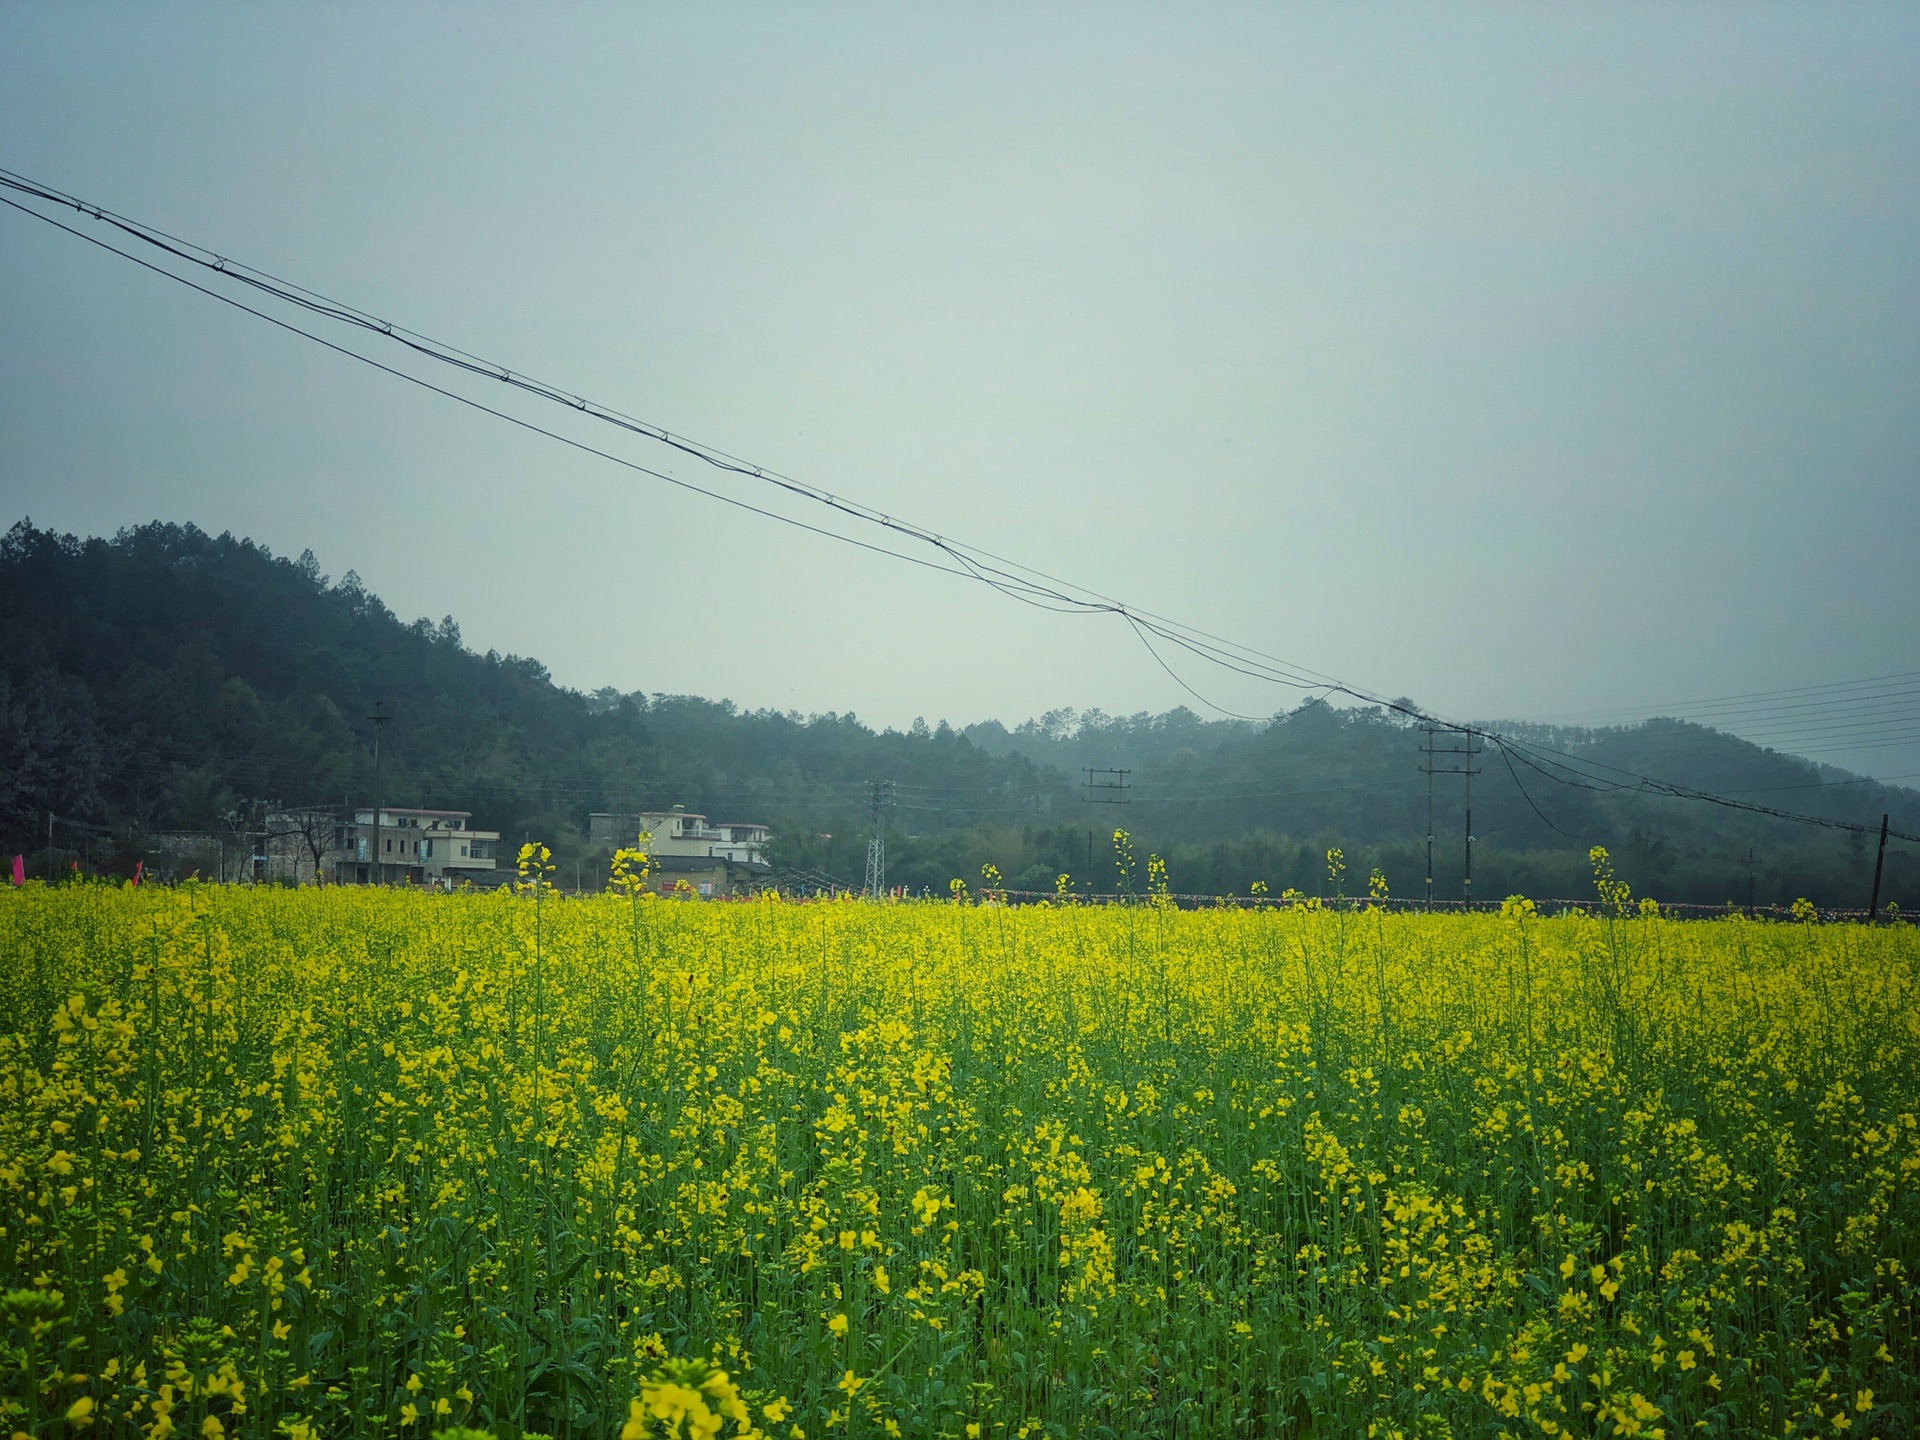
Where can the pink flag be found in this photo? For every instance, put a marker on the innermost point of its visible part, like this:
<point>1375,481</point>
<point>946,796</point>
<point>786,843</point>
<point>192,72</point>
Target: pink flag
<point>19,869</point>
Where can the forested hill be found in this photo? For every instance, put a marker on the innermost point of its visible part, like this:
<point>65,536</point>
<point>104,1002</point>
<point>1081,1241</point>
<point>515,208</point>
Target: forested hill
<point>164,678</point>
<point>1319,770</point>
<point>160,677</point>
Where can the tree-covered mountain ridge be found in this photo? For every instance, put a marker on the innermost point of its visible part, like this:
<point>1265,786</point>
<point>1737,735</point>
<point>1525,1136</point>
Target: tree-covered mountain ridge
<point>162,677</point>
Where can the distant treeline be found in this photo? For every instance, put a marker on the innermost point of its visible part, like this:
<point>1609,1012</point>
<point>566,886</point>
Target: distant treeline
<point>166,679</point>
<point>1031,858</point>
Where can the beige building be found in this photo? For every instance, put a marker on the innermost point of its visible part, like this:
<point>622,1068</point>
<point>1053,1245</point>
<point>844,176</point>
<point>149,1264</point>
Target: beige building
<point>414,847</point>
<point>709,877</point>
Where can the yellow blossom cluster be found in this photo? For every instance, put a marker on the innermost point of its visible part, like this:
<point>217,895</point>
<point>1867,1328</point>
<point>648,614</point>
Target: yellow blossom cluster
<point>305,1164</point>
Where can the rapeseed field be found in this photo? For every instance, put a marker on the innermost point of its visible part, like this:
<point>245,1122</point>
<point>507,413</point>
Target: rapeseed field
<point>363,1162</point>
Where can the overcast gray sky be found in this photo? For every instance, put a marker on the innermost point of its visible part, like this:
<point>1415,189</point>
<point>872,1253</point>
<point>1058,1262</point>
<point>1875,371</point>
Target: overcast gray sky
<point>1530,362</point>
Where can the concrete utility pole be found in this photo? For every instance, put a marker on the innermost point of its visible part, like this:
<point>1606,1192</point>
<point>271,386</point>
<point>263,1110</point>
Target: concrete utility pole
<point>1468,753</point>
<point>1102,787</point>
<point>1873,906</point>
<point>1427,750</point>
<point>379,719</point>
<point>1466,889</point>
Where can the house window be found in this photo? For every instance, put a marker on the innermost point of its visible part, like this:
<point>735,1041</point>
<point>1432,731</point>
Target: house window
<point>463,850</point>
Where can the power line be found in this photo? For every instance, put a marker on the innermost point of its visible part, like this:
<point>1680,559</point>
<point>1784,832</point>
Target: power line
<point>1828,784</point>
<point>1774,732</point>
<point>1017,581</point>
<point>1656,748</point>
<point>1676,707</point>
<point>1012,586</point>
<point>475,404</point>
<point>1851,746</point>
<point>971,558</point>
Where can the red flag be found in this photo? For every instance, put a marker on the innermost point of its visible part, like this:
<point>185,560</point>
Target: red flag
<point>139,869</point>
<point>19,869</point>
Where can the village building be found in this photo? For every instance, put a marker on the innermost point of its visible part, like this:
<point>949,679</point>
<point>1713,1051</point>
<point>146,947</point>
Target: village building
<point>690,854</point>
<point>414,847</point>
<point>296,847</point>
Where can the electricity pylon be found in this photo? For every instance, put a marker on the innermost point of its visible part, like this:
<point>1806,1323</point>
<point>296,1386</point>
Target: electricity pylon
<point>879,801</point>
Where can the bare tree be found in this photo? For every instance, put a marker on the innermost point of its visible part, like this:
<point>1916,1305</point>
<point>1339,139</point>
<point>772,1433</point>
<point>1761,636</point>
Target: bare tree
<point>308,831</point>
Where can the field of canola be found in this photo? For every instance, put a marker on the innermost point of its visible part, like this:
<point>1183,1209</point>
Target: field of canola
<point>357,1163</point>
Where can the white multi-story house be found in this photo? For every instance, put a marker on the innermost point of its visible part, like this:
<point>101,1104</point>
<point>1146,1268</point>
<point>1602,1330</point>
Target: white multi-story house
<point>691,855</point>
<point>413,847</point>
<point>743,841</point>
<point>681,832</point>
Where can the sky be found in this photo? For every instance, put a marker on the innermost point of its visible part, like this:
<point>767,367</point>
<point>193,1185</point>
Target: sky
<point>1553,363</point>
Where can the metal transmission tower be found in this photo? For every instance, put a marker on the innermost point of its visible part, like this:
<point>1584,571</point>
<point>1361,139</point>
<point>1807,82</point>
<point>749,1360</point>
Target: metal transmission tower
<point>1467,754</point>
<point>1102,787</point>
<point>879,801</point>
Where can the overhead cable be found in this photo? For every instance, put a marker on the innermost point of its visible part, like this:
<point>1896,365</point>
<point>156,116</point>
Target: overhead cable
<point>1015,580</point>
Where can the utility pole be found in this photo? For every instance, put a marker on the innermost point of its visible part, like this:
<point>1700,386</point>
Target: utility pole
<point>1753,866</point>
<point>379,719</point>
<point>1101,787</point>
<point>1427,750</point>
<point>1873,906</point>
<point>879,801</point>
<point>1467,753</point>
<point>1466,889</point>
